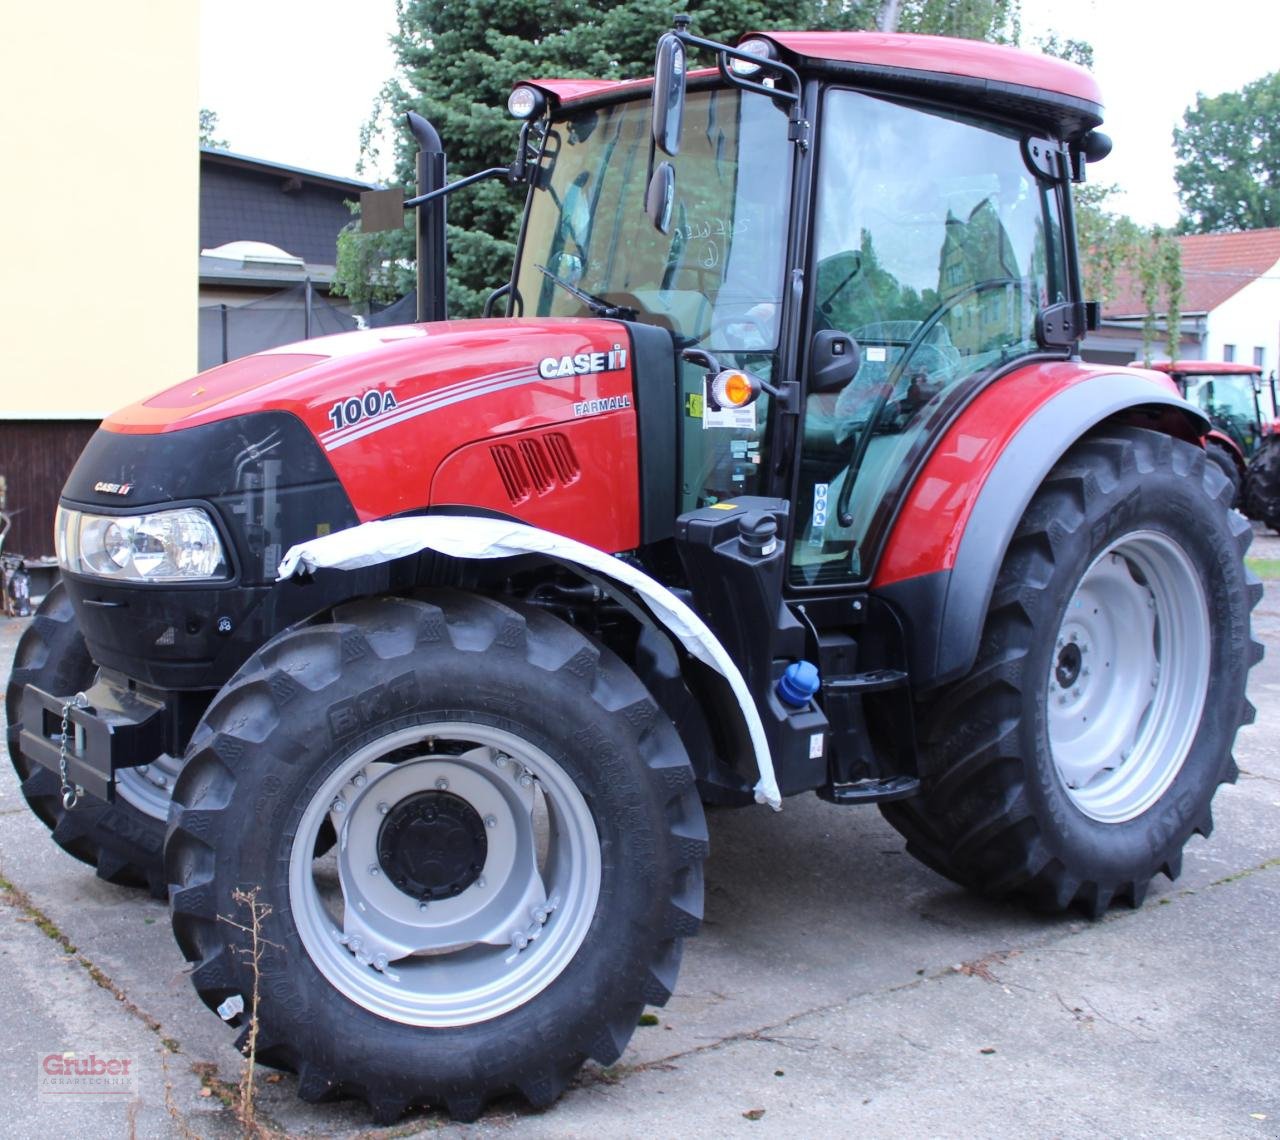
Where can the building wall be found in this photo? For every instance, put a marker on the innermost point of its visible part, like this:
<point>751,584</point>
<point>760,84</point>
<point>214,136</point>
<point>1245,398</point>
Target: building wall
<point>35,459</point>
<point>1249,319</point>
<point>99,115</point>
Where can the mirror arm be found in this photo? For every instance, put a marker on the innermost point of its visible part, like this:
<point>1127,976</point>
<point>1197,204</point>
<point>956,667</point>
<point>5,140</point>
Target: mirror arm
<point>493,172</point>
<point>724,53</point>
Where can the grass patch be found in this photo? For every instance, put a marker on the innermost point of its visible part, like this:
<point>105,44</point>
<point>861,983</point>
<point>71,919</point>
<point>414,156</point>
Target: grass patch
<point>1264,567</point>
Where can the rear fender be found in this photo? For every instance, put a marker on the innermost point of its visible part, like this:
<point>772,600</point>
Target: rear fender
<point>469,537</point>
<point>940,564</point>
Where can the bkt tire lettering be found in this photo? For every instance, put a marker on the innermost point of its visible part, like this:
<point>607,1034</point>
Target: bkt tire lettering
<point>380,703</point>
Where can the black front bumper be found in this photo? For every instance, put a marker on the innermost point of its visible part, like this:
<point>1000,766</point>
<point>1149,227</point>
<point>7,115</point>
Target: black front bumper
<point>120,726</point>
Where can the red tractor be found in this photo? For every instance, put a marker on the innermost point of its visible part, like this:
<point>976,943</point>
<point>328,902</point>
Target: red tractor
<point>1243,438</point>
<point>780,475</point>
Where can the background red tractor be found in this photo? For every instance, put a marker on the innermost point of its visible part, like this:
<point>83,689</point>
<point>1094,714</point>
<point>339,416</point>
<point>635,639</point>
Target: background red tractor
<point>780,474</point>
<point>1245,435</point>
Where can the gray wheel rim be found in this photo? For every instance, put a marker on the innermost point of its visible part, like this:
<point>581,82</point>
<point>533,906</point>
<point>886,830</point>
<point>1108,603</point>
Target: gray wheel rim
<point>477,955</point>
<point>1128,677</point>
<point>149,787</point>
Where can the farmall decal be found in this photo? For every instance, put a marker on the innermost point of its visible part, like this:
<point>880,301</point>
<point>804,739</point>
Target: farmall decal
<point>583,363</point>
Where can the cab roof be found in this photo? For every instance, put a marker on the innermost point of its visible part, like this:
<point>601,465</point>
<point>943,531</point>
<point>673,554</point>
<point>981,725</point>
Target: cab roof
<point>1023,85</point>
<point>1204,368</point>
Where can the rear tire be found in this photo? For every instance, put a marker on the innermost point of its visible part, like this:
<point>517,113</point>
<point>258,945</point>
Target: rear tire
<point>123,840</point>
<point>1262,484</point>
<point>1226,463</point>
<point>418,962</point>
<point>1083,749</point>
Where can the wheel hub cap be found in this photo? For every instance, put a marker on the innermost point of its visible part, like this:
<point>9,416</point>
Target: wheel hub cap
<point>432,845</point>
<point>1128,676</point>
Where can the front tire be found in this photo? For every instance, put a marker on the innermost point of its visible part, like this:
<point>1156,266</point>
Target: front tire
<point>1082,751</point>
<point>123,840</point>
<point>479,839</point>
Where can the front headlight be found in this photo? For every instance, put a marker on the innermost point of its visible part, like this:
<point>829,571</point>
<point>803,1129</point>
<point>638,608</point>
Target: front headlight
<point>167,546</point>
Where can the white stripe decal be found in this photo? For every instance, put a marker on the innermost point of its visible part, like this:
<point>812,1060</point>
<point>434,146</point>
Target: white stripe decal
<point>419,409</point>
<point>338,434</point>
<point>425,398</point>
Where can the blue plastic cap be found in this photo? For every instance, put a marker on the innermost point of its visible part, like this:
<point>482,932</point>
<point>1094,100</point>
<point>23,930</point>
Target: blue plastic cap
<point>798,684</point>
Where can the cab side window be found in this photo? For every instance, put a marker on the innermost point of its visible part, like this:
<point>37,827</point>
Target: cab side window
<point>937,266</point>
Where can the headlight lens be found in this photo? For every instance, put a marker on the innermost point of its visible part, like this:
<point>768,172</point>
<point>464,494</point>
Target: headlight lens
<point>167,546</point>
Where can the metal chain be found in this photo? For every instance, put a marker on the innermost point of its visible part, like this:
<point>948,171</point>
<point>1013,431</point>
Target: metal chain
<point>70,793</point>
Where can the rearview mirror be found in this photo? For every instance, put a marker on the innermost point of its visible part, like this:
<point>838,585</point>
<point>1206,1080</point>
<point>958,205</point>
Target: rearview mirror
<point>661,196</point>
<point>668,94</point>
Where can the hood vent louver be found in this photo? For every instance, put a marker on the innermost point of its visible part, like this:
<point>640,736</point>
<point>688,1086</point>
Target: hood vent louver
<point>536,465</point>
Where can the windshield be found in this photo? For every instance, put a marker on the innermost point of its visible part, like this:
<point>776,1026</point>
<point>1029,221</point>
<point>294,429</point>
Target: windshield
<point>716,278</point>
<point>1228,401</point>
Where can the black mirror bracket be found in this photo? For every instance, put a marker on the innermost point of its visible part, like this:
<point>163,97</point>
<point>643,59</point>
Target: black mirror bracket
<point>789,95</point>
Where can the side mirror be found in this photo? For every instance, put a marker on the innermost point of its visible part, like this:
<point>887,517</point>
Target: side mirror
<point>660,197</point>
<point>668,94</point>
<point>834,360</point>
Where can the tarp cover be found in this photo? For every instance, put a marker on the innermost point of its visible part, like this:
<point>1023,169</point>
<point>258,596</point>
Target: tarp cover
<point>468,537</point>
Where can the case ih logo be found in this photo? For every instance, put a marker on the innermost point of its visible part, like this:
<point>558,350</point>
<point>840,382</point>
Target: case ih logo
<point>113,488</point>
<point>582,363</point>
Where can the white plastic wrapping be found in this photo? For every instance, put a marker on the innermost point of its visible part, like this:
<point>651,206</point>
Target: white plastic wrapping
<point>466,537</point>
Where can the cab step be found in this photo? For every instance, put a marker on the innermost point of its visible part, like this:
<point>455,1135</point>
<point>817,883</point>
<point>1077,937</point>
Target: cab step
<point>873,681</point>
<point>871,791</point>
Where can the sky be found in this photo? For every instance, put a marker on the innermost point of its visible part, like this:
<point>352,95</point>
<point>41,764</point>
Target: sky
<point>293,80</point>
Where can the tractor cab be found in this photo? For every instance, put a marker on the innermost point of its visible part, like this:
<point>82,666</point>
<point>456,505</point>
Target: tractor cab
<point>872,247</point>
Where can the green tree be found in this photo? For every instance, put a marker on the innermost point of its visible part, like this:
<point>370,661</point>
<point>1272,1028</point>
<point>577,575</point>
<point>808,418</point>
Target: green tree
<point>208,125</point>
<point>1112,244</point>
<point>1228,152</point>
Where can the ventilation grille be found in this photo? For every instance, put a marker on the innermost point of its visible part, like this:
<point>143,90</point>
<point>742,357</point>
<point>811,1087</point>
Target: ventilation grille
<point>537,465</point>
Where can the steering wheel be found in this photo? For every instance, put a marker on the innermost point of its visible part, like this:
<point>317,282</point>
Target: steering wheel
<point>719,326</point>
<point>843,517</point>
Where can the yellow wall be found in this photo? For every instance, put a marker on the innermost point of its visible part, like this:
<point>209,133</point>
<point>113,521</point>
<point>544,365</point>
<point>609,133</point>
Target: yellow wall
<point>99,204</point>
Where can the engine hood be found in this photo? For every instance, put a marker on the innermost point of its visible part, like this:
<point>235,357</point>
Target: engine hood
<point>502,414</point>
<point>405,362</point>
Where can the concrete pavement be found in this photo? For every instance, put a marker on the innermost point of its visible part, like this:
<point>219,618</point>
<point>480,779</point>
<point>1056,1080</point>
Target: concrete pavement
<point>837,986</point>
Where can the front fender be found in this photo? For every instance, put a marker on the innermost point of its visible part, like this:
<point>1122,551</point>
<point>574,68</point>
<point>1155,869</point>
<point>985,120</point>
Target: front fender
<point>940,565</point>
<point>470,537</point>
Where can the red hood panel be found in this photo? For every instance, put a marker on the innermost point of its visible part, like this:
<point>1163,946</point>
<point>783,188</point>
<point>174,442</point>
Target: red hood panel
<point>389,406</point>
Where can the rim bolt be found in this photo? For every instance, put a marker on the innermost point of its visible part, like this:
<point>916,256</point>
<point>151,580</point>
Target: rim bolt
<point>1061,643</point>
<point>338,805</point>
<point>491,821</point>
<point>355,944</point>
<point>383,809</point>
<point>1084,672</point>
<point>162,782</point>
<point>519,939</point>
<point>359,779</point>
<point>480,881</point>
<point>442,784</point>
<point>1075,637</point>
<point>422,904</point>
<point>380,962</point>
<point>526,780</point>
<point>502,760</point>
<point>374,869</point>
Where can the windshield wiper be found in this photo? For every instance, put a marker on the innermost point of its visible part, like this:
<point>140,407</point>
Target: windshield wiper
<point>599,306</point>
